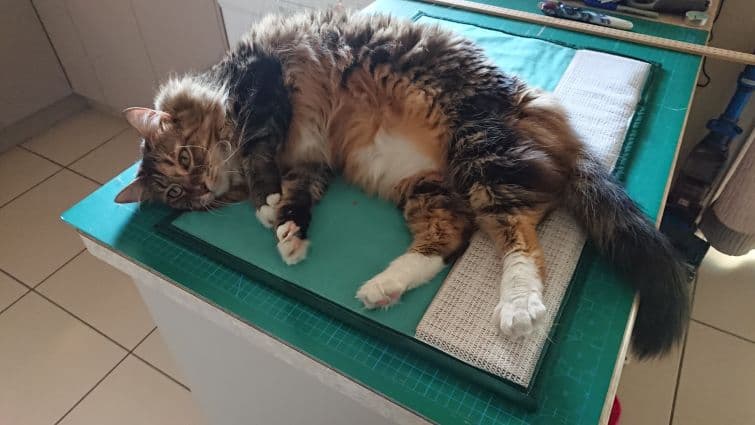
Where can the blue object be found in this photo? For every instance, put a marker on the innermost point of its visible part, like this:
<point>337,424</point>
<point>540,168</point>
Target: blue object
<point>560,10</point>
<point>700,171</point>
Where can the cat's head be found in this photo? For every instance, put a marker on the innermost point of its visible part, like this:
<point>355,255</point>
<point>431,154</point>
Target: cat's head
<point>187,161</point>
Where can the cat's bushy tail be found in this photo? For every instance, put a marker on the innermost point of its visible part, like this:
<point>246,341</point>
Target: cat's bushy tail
<point>623,233</point>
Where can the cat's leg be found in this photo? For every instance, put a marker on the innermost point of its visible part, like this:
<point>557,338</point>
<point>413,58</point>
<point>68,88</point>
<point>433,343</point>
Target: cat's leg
<point>441,225</point>
<point>520,308</point>
<point>264,185</point>
<point>301,187</point>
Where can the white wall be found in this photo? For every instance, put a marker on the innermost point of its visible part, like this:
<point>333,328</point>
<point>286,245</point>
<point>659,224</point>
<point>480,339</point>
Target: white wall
<point>30,76</point>
<point>239,15</point>
<point>116,52</point>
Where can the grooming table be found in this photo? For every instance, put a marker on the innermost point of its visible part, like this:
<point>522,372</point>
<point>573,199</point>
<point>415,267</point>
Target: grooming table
<point>254,355</point>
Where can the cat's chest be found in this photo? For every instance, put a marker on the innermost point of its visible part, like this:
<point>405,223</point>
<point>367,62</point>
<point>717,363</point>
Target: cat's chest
<point>379,166</point>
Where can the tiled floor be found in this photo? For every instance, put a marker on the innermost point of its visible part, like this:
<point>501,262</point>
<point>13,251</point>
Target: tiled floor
<point>77,346</point>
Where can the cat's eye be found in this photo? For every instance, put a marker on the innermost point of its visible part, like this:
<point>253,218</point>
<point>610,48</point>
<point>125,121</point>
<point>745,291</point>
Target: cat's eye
<point>184,157</point>
<point>174,191</point>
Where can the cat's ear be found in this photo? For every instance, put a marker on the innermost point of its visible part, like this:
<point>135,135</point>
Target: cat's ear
<point>133,192</point>
<point>146,121</point>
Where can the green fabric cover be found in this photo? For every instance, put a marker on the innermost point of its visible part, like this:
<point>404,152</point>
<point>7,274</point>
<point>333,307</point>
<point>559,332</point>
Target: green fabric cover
<point>539,63</point>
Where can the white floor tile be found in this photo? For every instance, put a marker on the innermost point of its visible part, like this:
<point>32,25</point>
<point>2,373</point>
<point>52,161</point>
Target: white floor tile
<point>110,159</point>
<point>136,394</point>
<point>154,350</point>
<point>103,297</point>
<point>725,294</point>
<point>35,241</point>
<point>74,137</point>
<point>20,170</point>
<point>49,360</point>
<point>717,383</point>
<point>10,291</point>
<point>646,390</point>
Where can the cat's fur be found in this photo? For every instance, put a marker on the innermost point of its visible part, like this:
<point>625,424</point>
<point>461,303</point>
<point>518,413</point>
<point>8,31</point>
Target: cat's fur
<point>418,116</point>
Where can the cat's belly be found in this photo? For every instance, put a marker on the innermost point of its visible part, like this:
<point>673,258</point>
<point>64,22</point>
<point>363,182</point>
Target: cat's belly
<point>378,167</point>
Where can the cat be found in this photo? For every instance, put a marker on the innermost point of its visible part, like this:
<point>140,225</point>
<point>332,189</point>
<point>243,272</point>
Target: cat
<point>416,115</point>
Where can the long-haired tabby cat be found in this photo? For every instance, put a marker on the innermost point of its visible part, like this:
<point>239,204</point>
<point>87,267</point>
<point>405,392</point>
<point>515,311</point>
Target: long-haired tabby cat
<point>418,116</point>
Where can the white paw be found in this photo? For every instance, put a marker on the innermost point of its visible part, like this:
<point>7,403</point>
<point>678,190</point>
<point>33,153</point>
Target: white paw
<point>520,316</point>
<point>291,248</point>
<point>381,291</point>
<point>273,199</point>
<point>266,213</point>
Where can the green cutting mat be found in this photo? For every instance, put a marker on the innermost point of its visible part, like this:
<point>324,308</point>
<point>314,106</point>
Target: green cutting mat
<point>355,236</point>
<point>575,375</point>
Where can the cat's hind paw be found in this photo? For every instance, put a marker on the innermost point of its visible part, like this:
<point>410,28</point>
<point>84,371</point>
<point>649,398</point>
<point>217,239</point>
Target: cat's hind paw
<point>380,292</point>
<point>266,213</point>
<point>520,316</point>
<point>291,247</point>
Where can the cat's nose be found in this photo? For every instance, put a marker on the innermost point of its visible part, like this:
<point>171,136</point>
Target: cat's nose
<point>200,189</point>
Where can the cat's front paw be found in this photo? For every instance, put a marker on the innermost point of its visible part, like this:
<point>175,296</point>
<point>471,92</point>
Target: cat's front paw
<point>291,247</point>
<point>521,315</point>
<point>381,291</point>
<point>266,214</point>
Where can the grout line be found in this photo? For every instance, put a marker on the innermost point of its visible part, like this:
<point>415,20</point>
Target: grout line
<point>684,349</point>
<point>62,167</point>
<point>80,319</point>
<point>678,377</point>
<point>161,371</point>
<point>17,300</point>
<point>125,129</point>
<point>103,378</point>
<point>91,389</point>
<point>78,157</point>
<point>84,176</point>
<point>58,269</point>
<point>730,333</point>
<point>34,186</point>
<point>130,351</point>
<point>15,278</point>
<point>144,339</point>
<point>133,353</point>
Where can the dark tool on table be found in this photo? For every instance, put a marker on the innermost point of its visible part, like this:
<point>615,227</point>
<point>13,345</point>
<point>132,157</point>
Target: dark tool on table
<point>614,5</point>
<point>701,169</point>
<point>672,6</point>
<point>558,9</point>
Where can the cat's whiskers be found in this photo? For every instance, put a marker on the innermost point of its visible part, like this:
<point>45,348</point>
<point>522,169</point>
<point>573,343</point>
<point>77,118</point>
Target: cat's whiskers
<point>231,155</point>
<point>195,146</point>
